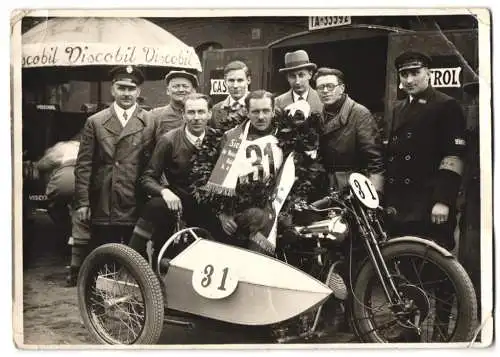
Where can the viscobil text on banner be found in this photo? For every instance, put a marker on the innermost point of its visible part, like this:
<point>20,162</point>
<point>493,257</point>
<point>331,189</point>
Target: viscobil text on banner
<point>68,54</point>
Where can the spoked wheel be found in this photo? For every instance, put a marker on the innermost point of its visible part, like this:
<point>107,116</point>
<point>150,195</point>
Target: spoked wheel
<point>119,297</point>
<point>439,302</point>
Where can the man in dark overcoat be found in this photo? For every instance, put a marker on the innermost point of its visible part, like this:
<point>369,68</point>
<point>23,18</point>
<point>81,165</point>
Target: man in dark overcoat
<point>426,145</point>
<point>115,147</point>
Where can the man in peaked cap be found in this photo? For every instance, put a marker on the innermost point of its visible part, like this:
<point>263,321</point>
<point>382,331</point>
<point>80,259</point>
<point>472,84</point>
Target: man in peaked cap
<point>179,84</point>
<point>298,70</point>
<point>424,162</point>
<point>116,144</point>
<point>425,154</point>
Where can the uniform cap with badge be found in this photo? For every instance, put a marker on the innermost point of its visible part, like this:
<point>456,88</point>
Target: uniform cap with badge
<point>130,76</point>
<point>412,60</point>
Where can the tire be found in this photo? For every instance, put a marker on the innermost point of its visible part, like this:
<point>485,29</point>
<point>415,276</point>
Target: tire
<point>149,313</point>
<point>465,298</point>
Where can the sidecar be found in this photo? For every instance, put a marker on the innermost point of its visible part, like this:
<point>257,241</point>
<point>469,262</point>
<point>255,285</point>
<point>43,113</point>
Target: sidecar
<point>123,297</point>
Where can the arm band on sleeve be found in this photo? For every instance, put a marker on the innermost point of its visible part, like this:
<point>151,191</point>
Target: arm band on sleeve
<point>452,163</point>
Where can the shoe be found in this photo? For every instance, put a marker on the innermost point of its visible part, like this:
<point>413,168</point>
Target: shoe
<point>72,277</point>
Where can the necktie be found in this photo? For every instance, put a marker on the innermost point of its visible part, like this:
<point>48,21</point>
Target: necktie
<point>301,97</point>
<point>125,116</point>
<point>235,107</point>
<point>198,143</point>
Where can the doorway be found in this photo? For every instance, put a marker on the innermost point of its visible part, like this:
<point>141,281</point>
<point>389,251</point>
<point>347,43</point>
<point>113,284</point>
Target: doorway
<point>363,61</point>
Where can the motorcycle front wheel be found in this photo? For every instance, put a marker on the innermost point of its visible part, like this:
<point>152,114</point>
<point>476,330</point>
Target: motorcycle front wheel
<point>120,297</point>
<point>439,301</point>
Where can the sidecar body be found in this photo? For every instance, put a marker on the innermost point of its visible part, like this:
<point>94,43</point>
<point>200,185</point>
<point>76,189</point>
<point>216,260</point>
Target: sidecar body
<point>235,285</point>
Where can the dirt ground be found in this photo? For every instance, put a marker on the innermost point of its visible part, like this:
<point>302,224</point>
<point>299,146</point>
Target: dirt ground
<point>50,310</point>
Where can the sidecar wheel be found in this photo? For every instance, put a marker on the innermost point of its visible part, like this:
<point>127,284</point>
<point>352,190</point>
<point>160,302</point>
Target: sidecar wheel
<point>119,297</point>
<point>437,288</point>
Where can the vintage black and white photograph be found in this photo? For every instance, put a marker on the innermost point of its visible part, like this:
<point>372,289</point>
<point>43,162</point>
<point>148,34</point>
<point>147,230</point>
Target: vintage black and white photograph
<point>252,178</point>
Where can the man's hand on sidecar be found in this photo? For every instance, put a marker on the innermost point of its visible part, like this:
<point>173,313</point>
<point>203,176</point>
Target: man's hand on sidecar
<point>228,224</point>
<point>171,199</point>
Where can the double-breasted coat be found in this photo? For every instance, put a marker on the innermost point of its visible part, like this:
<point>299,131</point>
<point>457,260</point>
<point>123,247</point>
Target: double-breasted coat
<point>422,134</point>
<point>109,163</point>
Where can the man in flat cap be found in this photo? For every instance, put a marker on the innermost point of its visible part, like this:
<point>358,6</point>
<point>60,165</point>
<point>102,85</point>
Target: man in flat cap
<point>115,147</point>
<point>426,145</point>
<point>298,70</point>
<point>231,111</point>
<point>179,85</point>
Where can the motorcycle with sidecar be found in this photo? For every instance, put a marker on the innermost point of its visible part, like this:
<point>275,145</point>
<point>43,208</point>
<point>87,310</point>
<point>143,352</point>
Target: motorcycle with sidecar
<point>335,258</point>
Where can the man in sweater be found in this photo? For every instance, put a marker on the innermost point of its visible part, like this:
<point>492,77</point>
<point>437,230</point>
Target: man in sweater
<point>179,85</point>
<point>172,158</point>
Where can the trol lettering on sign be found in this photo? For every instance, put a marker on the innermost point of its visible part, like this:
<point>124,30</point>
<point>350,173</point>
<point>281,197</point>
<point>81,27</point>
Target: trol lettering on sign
<point>321,22</point>
<point>81,55</point>
<point>214,280</point>
<point>364,190</point>
<point>446,77</point>
<point>218,86</point>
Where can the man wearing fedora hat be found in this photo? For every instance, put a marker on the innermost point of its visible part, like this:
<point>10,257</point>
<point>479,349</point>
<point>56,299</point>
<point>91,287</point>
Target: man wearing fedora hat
<point>116,144</point>
<point>179,84</point>
<point>298,70</point>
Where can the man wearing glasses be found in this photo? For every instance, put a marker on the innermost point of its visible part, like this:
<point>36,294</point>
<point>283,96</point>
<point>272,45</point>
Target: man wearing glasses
<point>350,140</point>
<point>179,85</point>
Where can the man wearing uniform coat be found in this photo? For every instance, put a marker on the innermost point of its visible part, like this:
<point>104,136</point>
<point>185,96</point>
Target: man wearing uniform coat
<point>426,145</point>
<point>237,77</point>
<point>298,70</point>
<point>115,147</point>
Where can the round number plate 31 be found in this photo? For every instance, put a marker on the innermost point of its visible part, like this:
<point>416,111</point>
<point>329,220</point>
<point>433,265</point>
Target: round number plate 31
<point>214,280</point>
<point>364,190</point>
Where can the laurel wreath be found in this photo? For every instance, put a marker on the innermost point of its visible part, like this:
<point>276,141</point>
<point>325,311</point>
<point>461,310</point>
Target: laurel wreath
<point>294,134</point>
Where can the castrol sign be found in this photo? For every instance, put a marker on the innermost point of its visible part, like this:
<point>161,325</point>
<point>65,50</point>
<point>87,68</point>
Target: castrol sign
<point>446,77</point>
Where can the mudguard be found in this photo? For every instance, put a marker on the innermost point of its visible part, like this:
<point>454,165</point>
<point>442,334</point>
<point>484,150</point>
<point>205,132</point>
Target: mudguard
<point>429,243</point>
<point>234,285</point>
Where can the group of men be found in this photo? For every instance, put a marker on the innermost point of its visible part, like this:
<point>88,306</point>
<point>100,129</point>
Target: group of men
<point>132,168</point>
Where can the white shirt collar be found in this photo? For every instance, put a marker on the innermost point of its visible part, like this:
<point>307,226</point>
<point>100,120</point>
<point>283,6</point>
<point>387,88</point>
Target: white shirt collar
<point>119,112</point>
<point>296,96</point>
<point>193,138</point>
<point>241,100</point>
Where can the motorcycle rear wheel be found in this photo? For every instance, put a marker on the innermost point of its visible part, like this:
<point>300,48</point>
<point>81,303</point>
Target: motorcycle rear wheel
<point>427,280</point>
<point>119,297</point>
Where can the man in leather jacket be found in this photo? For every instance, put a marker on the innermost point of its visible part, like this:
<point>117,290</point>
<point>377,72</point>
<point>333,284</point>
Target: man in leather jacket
<point>349,139</point>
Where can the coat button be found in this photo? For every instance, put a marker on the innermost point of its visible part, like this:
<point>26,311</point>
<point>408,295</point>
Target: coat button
<point>391,158</point>
<point>391,180</point>
<point>407,181</point>
<point>117,163</point>
<point>395,138</point>
<point>408,134</point>
<point>407,157</point>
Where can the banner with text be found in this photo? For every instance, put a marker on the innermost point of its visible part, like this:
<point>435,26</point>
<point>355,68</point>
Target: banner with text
<point>67,54</point>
